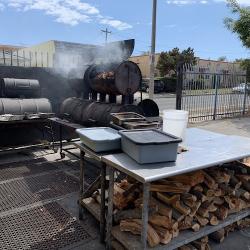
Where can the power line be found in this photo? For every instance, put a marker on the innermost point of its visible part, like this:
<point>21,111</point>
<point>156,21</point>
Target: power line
<point>107,32</point>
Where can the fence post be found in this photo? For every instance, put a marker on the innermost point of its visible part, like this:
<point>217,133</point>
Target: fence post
<point>30,58</point>
<point>245,97</point>
<point>179,85</point>
<point>216,78</point>
<point>17,58</point>
<point>11,58</point>
<point>4,61</point>
<point>24,58</point>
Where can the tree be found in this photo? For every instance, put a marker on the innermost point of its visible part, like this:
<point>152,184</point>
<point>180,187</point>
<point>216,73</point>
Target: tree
<point>245,64</point>
<point>167,63</point>
<point>222,59</point>
<point>240,25</point>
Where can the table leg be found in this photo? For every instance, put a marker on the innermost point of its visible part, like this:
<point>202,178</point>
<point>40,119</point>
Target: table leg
<point>146,189</point>
<point>103,215</point>
<point>61,143</point>
<point>110,207</point>
<point>82,154</point>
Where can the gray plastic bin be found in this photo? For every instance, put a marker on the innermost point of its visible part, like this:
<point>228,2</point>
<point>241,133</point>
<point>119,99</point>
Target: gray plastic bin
<point>149,145</point>
<point>100,139</point>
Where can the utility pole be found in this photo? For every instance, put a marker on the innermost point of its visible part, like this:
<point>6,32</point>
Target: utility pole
<point>107,32</point>
<point>152,55</point>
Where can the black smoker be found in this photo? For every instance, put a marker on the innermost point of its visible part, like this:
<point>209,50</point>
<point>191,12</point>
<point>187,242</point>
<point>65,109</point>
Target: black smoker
<point>101,87</point>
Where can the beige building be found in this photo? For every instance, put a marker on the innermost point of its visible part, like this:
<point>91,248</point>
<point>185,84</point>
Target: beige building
<point>203,66</point>
<point>8,54</point>
<point>57,54</point>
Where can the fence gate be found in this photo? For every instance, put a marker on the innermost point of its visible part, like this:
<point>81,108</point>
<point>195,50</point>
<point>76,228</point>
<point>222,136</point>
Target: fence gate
<point>210,95</point>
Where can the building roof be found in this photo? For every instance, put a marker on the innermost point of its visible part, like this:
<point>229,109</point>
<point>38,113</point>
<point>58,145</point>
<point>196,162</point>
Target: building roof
<point>10,47</point>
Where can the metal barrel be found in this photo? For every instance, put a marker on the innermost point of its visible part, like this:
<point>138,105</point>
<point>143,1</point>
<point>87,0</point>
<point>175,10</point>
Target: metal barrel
<point>114,79</point>
<point>91,113</point>
<point>22,106</point>
<point>20,88</point>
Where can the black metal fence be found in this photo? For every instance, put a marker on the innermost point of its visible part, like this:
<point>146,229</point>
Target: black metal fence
<point>211,95</point>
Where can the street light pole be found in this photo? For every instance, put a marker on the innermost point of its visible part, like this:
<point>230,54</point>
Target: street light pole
<point>152,55</point>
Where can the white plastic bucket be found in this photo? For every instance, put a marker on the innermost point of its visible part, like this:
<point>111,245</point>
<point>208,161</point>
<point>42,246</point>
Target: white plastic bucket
<point>175,122</point>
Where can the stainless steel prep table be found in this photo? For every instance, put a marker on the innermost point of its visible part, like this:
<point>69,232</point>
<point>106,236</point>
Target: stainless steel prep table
<point>205,149</point>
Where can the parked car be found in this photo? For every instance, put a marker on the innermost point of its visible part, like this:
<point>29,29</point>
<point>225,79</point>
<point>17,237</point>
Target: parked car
<point>241,88</point>
<point>158,87</point>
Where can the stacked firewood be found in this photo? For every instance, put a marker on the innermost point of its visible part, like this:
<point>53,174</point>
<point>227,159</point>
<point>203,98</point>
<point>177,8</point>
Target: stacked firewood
<point>185,202</point>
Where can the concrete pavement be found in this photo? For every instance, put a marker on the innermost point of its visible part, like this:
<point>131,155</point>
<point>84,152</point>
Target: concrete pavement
<point>233,126</point>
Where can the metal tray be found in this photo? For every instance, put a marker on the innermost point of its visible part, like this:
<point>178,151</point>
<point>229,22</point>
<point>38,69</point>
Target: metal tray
<point>140,125</point>
<point>120,118</point>
<point>10,117</point>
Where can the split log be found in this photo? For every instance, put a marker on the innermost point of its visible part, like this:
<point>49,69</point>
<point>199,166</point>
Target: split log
<point>203,212</point>
<point>199,245</point>
<point>177,216</point>
<point>164,234</point>
<point>234,203</point>
<point>213,220</point>
<point>117,245</point>
<point>209,206</point>
<point>202,221</point>
<point>135,227</point>
<point>189,199</point>
<point>219,176</point>
<point>241,193</point>
<point>234,182</point>
<point>200,196</point>
<point>237,167</point>
<point>135,213</point>
<point>226,189</point>
<point>123,198</point>
<point>190,179</point>
<point>245,183</point>
<point>187,247</point>
<point>228,229</point>
<point>218,201</point>
<point>138,203</point>
<point>221,213</point>
<point>163,209</point>
<point>161,221</point>
<point>176,188</point>
<point>218,236</point>
<point>124,184</point>
<point>195,208</point>
<point>198,188</point>
<point>209,181</point>
<point>246,162</point>
<point>175,202</point>
<point>186,223</point>
<point>195,227</point>
<point>175,230</point>
<point>204,239</point>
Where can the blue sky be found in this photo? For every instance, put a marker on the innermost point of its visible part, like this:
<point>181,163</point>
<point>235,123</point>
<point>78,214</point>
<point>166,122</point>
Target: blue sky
<point>180,23</point>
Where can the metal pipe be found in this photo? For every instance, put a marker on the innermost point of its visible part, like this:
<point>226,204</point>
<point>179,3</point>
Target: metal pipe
<point>152,61</point>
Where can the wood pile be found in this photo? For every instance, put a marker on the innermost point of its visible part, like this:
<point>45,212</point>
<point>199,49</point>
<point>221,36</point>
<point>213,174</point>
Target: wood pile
<point>185,202</point>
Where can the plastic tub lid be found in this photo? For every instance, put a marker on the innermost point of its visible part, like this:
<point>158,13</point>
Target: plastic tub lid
<point>149,137</point>
<point>99,133</point>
